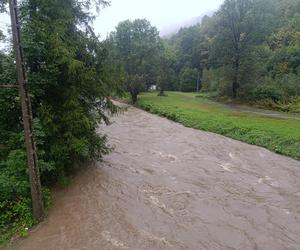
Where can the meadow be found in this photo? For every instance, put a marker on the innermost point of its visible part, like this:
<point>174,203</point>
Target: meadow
<point>276,134</point>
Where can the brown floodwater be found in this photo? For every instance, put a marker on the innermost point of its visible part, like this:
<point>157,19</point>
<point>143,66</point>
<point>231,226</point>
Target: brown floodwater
<point>170,187</point>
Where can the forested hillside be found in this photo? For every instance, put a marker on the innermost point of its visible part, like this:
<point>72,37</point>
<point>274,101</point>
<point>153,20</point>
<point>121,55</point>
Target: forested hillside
<point>250,49</point>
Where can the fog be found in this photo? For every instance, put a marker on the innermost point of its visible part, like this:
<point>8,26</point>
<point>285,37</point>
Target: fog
<point>166,15</point>
<point>161,13</point>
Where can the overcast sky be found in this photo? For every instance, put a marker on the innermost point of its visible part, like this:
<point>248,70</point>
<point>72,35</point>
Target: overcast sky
<point>161,13</point>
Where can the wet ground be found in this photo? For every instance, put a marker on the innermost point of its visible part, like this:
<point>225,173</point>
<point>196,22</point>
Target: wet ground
<point>170,187</point>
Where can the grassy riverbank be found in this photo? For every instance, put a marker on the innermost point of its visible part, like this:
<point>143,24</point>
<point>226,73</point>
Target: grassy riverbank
<point>279,135</point>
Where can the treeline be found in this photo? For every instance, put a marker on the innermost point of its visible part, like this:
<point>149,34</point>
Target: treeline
<point>69,85</point>
<point>249,49</point>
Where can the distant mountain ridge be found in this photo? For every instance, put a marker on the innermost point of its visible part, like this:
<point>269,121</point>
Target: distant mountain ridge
<point>174,28</point>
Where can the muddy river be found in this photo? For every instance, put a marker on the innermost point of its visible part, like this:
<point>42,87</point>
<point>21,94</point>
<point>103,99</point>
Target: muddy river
<point>170,187</point>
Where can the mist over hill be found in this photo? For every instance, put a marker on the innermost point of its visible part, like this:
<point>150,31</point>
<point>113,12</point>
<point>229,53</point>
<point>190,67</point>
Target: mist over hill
<point>174,28</point>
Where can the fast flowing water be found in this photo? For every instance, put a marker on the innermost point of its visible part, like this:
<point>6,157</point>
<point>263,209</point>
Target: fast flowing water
<point>170,187</point>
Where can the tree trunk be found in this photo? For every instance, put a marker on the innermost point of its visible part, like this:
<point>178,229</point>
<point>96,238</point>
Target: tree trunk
<point>235,83</point>
<point>133,98</point>
<point>161,92</point>
<point>234,87</point>
<point>198,80</point>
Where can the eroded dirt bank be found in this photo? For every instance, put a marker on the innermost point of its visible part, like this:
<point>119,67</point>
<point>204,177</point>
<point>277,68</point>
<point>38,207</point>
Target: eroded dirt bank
<point>170,187</point>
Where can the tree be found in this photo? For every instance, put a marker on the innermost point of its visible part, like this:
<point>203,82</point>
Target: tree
<point>191,48</point>
<point>236,26</point>
<point>66,62</point>
<point>136,50</point>
<point>70,87</point>
<point>188,80</point>
<point>165,70</point>
<point>244,45</point>
<point>237,29</point>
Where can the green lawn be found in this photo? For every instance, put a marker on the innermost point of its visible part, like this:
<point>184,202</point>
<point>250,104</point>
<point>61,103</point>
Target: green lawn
<point>279,135</point>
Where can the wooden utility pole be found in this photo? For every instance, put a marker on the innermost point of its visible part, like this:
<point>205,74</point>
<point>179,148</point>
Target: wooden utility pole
<point>35,183</point>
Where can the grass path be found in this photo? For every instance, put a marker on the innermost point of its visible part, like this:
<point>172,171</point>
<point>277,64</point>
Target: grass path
<point>279,135</point>
<point>245,108</point>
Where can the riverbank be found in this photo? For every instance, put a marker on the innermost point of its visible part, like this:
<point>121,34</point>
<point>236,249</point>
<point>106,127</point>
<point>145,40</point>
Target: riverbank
<point>279,134</point>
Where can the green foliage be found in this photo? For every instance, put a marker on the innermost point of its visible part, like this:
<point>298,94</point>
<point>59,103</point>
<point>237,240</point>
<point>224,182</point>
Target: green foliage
<point>69,87</point>
<point>280,89</point>
<point>279,135</point>
<point>188,80</point>
<point>15,202</point>
<point>166,74</point>
<point>135,47</point>
<point>249,49</point>
<point>215,80</point>
<point>18,215</point>
<point>266,91</point>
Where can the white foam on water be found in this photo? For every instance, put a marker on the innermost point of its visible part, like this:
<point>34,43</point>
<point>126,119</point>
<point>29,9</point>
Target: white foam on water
<point>286,211</point>
<point>169,156</point>
<point>226,167</point>
<point>106,235</point>
<point>161,240</point>
<point>154,200</point>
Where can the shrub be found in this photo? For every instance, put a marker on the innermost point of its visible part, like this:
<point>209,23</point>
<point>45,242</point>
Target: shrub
<point>268,91</point>
<point>188,80</point>
<point>280,89</point>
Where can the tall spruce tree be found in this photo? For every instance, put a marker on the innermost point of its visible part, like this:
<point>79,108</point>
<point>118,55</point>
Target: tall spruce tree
<point>69,89</point>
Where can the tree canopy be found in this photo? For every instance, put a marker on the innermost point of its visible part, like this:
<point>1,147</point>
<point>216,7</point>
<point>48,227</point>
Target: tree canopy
<point>136,47</point>
<point>249,49</point>
<point>69,88</point>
